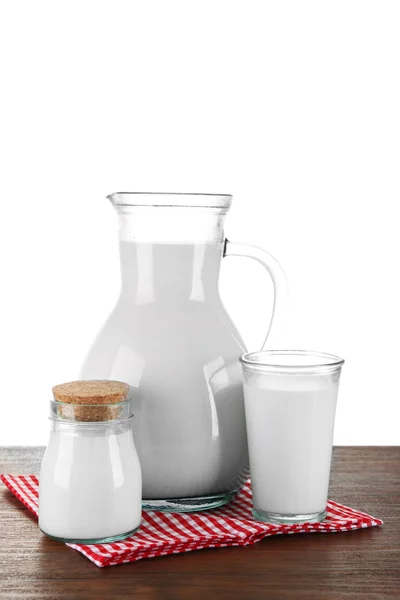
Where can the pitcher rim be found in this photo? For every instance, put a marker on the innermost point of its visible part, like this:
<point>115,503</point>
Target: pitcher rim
<point>171,199</point>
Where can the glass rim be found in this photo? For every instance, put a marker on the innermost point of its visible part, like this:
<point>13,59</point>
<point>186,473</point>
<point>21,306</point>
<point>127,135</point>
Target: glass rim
<point>319,361</point>
<point>171,199</point>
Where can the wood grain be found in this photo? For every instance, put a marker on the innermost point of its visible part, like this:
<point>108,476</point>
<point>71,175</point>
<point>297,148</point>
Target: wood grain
<point>353,565</point>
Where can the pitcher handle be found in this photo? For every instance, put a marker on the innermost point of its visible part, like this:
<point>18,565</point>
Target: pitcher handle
<point>279,311</point>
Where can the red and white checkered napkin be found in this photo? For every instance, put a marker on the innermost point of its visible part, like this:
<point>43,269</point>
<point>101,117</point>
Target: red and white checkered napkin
<point>171,533</point>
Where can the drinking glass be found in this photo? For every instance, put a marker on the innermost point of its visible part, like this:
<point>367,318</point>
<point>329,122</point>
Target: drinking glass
<point>290,403</point>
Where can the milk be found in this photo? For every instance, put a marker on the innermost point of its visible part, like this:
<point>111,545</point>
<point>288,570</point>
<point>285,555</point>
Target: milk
<point>171,339</point>
<point>290,424</point>
<point>90,484</point>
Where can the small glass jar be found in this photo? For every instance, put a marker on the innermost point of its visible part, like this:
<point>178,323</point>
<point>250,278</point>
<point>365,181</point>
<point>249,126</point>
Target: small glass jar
<point>90,486</point>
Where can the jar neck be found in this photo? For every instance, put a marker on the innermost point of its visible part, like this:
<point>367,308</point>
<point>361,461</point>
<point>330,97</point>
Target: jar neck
<point>90,429</point>
<point>90,414</point>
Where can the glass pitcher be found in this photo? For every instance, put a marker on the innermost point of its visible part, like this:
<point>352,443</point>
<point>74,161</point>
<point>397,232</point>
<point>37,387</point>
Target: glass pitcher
<point>170,337</point>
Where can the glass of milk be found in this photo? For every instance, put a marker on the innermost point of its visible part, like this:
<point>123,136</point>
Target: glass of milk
<point>90,485</point>
<point>290,403</point>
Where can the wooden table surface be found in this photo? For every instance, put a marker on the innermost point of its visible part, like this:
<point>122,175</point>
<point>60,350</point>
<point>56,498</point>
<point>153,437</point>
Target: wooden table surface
<point>362,564</point>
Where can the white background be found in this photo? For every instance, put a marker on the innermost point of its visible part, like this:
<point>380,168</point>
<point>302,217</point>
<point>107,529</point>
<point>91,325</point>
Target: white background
<point>291,106</point>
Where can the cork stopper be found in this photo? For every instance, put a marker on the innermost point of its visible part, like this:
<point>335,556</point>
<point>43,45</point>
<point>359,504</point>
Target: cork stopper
<point>90,400</point>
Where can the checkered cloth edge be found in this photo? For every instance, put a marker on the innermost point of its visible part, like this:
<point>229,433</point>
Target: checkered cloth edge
<point>172,533</point>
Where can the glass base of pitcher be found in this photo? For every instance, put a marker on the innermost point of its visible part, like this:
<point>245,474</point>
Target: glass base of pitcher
<point>189,504</point>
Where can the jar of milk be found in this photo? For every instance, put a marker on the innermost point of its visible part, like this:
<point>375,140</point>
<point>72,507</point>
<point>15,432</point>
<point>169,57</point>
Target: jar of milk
<point>90,485</point>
